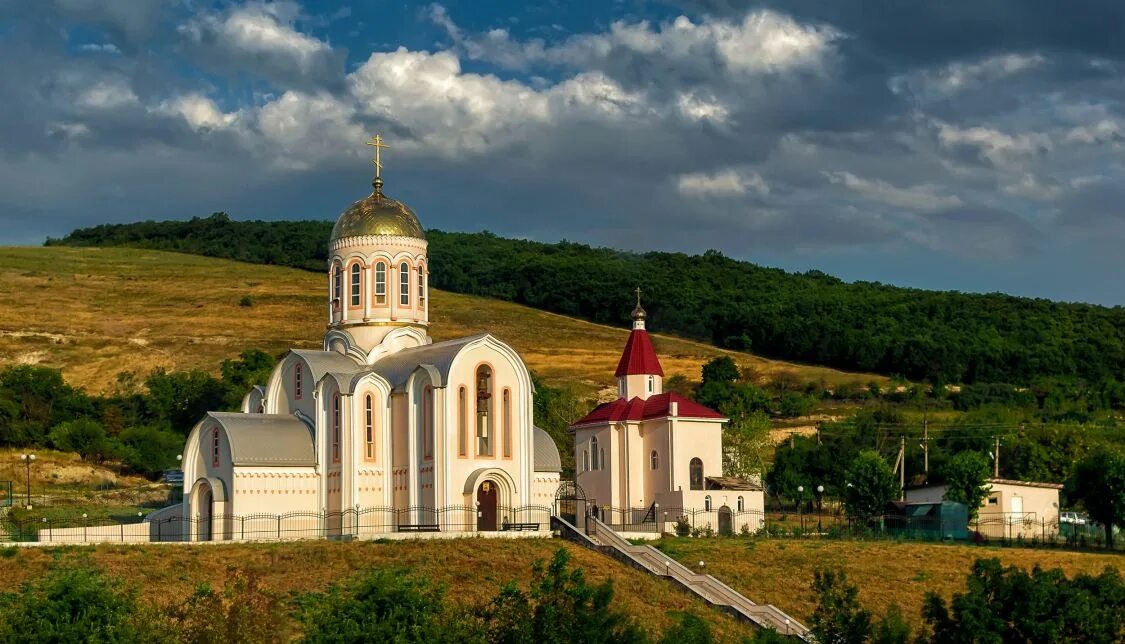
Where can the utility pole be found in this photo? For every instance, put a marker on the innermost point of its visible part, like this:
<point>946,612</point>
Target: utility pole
<point>996,458</point>
<point>926,447</point>
<point>902,467</point>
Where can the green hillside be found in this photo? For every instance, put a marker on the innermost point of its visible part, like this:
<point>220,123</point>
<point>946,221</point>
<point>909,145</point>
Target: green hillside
<point>811,317</point>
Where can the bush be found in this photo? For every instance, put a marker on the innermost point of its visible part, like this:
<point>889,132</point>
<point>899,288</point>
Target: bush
<point>243,612</point>
<point>87,437</point>
<point>78,605</point>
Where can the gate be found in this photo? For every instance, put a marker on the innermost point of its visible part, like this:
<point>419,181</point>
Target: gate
<point>5,494</point>
<point>570,504</point>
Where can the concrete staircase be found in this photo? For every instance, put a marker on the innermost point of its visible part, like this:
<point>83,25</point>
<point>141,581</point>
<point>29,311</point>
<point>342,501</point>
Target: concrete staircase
<point>604,539</point>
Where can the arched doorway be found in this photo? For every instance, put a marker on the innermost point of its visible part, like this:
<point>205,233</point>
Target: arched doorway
<point>486,506</point>
<point>726,523</point>
<point>206,512</point>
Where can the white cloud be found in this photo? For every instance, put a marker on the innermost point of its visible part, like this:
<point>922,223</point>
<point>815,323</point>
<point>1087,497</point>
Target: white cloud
<point>695,107</point>
<point>107,93</point>
<point>920,197</point>
<point>998,147</point>
<point>763,41</point>
<point>100,48</point>
<point>1104,131</point>
<point>1029,186</point>
<point>954,78</point>
<point>730,182</point>
<point>199,111</point>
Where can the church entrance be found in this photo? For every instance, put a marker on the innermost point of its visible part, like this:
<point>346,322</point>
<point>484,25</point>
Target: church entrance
<point>486,507</point>
<point>726,523</point>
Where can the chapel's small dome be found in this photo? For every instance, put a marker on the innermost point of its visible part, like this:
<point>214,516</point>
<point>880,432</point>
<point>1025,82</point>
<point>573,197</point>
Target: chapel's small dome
<point>378,214</point>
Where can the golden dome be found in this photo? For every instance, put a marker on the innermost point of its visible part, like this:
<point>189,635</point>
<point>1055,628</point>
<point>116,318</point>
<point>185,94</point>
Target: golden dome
<point>378,214</point>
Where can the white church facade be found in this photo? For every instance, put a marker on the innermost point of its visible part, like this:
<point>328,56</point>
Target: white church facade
<point>381,417</point>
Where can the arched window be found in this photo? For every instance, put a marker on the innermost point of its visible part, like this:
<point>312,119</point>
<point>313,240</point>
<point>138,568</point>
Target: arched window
<point>421,287</point>
<point>462,422</point>
<point>404,284</point>
<point>741,505</point>
<point>428,423</point>
<point>594,450</point>
<point>655,460</point>
<point>355,284</point>
<point>507,423</point>
<point>380,283</point>
<point>695,473</point>
<point>297,381</point>
<point>215,447</point>
<point>651,384</point>
<point>585,461</point>
<point>337,285</point>
<point>369,426</point>
<point>707,503</point>
<point>336,428</point>
<point>484,410</point>
<point>601,458</point>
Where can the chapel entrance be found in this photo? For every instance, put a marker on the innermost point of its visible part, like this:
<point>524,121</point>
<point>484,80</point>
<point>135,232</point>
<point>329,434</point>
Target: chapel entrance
<point>726,523</point>
<point>206,512</point>
<point>486,507</point>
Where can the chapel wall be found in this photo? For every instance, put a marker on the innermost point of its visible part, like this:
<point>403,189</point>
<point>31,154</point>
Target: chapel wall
<point>696,438</point>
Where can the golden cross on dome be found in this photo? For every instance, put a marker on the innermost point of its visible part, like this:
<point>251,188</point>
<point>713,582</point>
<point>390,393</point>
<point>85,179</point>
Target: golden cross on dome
<point>638,296</point>
<point>377,143</point>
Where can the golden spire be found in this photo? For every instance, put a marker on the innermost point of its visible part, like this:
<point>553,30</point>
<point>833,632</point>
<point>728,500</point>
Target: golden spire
<point>377,143</point>
<point>639,314</point>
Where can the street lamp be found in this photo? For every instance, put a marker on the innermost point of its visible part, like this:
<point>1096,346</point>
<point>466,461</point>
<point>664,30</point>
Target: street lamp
<point>800,503</point>
<point>819,492</point>
<point>28,459</point>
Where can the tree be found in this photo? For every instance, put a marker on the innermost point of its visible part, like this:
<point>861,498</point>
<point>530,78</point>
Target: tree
<point>839,618</point>
<point>746,446</point>
<point>1098,481</point>
<point>1010,605</point>
<point>965,478</point>
<point>87,437</point>
<point>871,485</point>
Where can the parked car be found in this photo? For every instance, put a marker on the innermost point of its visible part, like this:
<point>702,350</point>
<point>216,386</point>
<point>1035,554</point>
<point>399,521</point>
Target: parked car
<point>1073,518</point>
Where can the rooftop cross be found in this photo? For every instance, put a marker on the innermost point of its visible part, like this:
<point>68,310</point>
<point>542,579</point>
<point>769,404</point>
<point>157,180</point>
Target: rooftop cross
<point>377,143</point>
<point>638,296</point>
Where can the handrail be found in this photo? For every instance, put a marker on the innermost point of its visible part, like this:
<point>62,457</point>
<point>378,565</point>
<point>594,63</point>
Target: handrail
<point>704,585</point>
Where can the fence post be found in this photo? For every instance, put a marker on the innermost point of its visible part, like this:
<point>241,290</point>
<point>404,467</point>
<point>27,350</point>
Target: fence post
<point>279,527</point>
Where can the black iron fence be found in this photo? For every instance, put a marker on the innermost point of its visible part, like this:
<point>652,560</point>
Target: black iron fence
<point>351,523</point>
<point>1012,529</point>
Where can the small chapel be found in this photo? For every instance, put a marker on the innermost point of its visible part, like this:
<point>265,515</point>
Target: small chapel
<point>381,416</point>
<point>651,449</point>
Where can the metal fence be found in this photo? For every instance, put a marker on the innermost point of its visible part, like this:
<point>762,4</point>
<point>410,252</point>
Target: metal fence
<point>1022,529</point>
<point>351,523</point>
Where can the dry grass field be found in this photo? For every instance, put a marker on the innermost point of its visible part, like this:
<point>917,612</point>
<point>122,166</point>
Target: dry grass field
<point>96,312</point>
<point>781,571</point>
<point>471,569</point>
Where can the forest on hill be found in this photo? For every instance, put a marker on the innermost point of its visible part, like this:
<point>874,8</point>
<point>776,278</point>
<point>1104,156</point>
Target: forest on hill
<point>940,337</point>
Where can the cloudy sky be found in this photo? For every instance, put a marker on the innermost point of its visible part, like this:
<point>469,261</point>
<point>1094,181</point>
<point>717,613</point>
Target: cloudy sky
<point>957,145</point>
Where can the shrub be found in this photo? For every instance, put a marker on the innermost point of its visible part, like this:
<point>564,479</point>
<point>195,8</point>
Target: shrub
<point>243,612</point>
<point>246,301</point>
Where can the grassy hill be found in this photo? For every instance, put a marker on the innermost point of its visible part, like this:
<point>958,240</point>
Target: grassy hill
<point>97,312</point>
<point>780,571</point>
<point>472,570</point>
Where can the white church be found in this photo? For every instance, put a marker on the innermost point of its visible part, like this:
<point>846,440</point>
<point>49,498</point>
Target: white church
<point>381,417</point>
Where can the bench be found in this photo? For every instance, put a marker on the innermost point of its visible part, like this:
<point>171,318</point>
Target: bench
<point>520,527</point>
<point>418,527</point>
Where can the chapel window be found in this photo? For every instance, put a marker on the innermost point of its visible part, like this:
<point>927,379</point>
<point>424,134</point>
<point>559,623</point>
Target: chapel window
<point>695,473</point>
<point>484,410</point>
<point>594,450</point>
<point>428,423</point>
<point>380,283</point>
<point>601,454</point>
<point>297,381</point>
<point>651,384</point>
<point>355,284</point>
<point>336,428</point>
<point>741,504</point>
<point>707,503</point>
<point>404,284</point>
<point>507,423</point>
<point>462,421</point>
<point>215,447</point>
<point>422,287</point>
<point>337,285</point>
<point>585,461</point>
<point>655,460</point>
<point>369,426</point>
